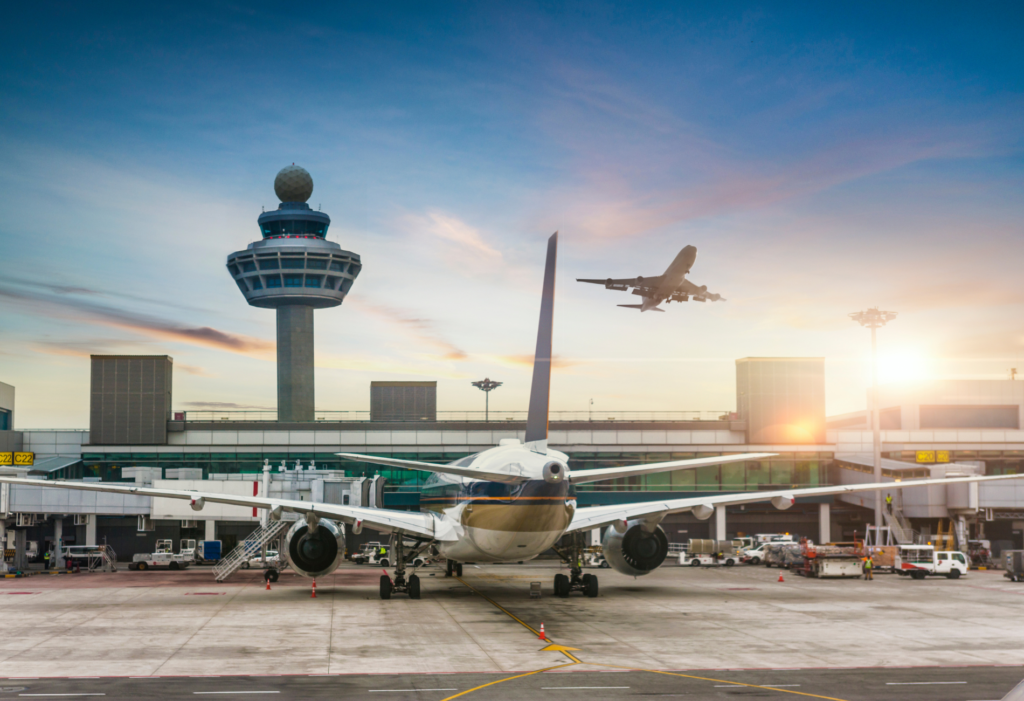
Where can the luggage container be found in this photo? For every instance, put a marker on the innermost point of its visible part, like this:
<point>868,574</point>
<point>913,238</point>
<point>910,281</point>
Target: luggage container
<point>1013,563</point>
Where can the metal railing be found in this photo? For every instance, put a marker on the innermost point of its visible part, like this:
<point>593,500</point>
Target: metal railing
<point>496,416</point>
<point>249,548</point>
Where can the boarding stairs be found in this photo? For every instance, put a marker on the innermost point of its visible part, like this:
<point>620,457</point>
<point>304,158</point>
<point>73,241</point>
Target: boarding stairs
<point>955,538</point>
<point>249,548</point>
<point>899,527</point>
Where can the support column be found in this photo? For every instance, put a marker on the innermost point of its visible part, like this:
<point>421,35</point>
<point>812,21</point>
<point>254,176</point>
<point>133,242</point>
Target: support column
<point>58,538</point>
<point>90,530</point>
<point>20,563</point>
<point>719,522</point>
<point>824,523</point>
<point>211,530</point>
<point>295,363</point>
<point>3,543</point>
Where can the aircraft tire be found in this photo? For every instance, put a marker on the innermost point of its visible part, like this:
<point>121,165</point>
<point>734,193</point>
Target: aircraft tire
<point>561,586</point>
<point>385,587</point>
<point>458,569</point>
<point>414,587</point>
<point>273,575</point>
<point>590,585</point>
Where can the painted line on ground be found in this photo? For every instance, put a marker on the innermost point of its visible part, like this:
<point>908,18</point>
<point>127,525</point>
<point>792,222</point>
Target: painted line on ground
<point>556,688</point>
<point>919,683</point>
<point>404,690</point>
<point>506,679</point>
<point>51,695</point>
<point>235,692</point>
<point>726,682</point>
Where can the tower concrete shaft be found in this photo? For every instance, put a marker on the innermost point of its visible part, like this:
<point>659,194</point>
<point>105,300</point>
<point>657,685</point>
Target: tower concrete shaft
<point>295,394</point>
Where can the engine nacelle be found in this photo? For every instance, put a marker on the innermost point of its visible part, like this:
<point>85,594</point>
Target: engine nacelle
<point>703,511</point>
<point>315,554</point>
<point>635,551</point>
<point>783,502</point>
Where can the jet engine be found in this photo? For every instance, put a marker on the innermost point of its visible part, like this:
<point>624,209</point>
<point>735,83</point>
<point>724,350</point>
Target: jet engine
<point>318,553</point>
<point>635,551</point>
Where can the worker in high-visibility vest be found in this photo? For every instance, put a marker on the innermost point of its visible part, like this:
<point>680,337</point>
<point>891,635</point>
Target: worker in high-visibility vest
<point>869,565</point>
<point>46,560</point>
<point>888,503</point>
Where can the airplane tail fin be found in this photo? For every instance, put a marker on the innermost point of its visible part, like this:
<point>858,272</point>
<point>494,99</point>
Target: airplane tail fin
<point>540,390</point>
<point>641,307</point>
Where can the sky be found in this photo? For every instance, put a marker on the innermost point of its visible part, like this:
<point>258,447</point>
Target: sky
<point>822,159</point>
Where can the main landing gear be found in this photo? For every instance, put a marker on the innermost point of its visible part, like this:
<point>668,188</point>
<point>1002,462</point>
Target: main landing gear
<point>453,568</point>
<point>400,585</point>
<point>576,580</point>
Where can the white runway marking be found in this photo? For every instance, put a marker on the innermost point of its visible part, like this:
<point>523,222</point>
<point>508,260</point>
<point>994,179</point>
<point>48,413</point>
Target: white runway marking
<point>236,692</point>
<point>919,683</point>
<point>381,690</point>
<point>553,688</point>
<point>51,695</point>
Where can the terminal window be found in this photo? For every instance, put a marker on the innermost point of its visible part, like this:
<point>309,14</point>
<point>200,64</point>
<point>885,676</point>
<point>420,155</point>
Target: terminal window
<point>293,281</point>
<point>970,417</point>
<point>5,420</point>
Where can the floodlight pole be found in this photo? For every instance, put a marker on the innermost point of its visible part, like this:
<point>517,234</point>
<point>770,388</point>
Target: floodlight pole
<point>486,385</point>
<point>873,319</point>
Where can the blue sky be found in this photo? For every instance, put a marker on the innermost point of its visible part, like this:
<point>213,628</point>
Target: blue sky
<point>821,160</point>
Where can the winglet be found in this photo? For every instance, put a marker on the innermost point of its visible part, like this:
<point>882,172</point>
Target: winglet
<point>540,390</point>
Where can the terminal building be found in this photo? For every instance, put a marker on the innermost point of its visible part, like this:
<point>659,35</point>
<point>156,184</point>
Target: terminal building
<point>135,435</point>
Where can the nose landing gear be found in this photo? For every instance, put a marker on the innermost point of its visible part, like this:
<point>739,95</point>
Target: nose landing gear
<point>576,580</point>
<point>453,568</point>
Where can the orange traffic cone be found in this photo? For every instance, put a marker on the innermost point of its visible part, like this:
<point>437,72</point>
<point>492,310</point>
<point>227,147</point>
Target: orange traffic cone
<point>314,590</point>
<point>542,636</point>
<point>268,585</point>
<point>780,577</point>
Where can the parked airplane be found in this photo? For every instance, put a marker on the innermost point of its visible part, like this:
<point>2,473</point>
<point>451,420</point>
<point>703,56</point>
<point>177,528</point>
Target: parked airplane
<point>670,286</point>
<point>505,504</point>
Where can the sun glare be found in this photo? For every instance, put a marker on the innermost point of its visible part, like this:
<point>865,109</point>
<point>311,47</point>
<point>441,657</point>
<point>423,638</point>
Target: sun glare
<point>903,367</point>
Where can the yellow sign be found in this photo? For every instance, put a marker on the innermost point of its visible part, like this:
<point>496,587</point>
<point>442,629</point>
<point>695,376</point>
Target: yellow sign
<point>24,458</point>
<point>6,458</point>
<point>926,456</point>
<point>941,456</point>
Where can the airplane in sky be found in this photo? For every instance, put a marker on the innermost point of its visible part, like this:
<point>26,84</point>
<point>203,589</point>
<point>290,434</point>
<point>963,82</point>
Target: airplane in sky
<point>670,286</point>
<point>505,504</point>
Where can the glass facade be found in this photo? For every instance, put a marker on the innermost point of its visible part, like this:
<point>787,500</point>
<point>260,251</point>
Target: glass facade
<point>294,227</point>
<point>292,281</point>
<point>789,470</point>
<point>5,420</point>
<point>272,280</point>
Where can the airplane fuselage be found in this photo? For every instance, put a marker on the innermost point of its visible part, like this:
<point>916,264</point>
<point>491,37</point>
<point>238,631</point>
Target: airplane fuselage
<point>499,522</point>
<point>672,278</point>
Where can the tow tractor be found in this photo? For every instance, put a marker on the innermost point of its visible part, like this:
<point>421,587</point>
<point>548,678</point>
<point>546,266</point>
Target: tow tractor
<point>363,556</point>
<point>163,558</point>
<point>919,561</point>
<point>709,553</point>
<point>594,557</point>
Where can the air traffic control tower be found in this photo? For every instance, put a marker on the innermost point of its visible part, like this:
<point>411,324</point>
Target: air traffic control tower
<point>294,270</point>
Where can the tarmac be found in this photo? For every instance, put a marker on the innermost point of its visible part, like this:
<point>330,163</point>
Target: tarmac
<point>685,632</point>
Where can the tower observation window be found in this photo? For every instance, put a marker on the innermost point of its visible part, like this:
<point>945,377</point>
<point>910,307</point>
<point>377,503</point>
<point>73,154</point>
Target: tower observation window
<point>234,270</point>
<point>292,262</point>
<point>273,281</point>
<point>293,281</point>
<point>269,265</point>
<point>294,227</point>
<point>313,280</point>
<point>314,264</point>
<point>332,282</point>
<point>337,266</point>
<point>255,282</point>
<point>242,286</point>
<point>248,267</point>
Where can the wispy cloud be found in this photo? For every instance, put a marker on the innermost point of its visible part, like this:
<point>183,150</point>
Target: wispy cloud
<point>419,329</point>
<point>70,307</point>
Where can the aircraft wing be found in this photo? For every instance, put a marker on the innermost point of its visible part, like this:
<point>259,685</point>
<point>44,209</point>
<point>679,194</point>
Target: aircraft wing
<point>698,291</point>
<point>622,284</point>
<point>509,477</point>
<point>596,516</point>
<point>387,520</point>
<point>610,473</point>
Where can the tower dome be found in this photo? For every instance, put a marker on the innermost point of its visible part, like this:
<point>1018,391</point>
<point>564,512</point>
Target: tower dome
<point>293,184</point>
